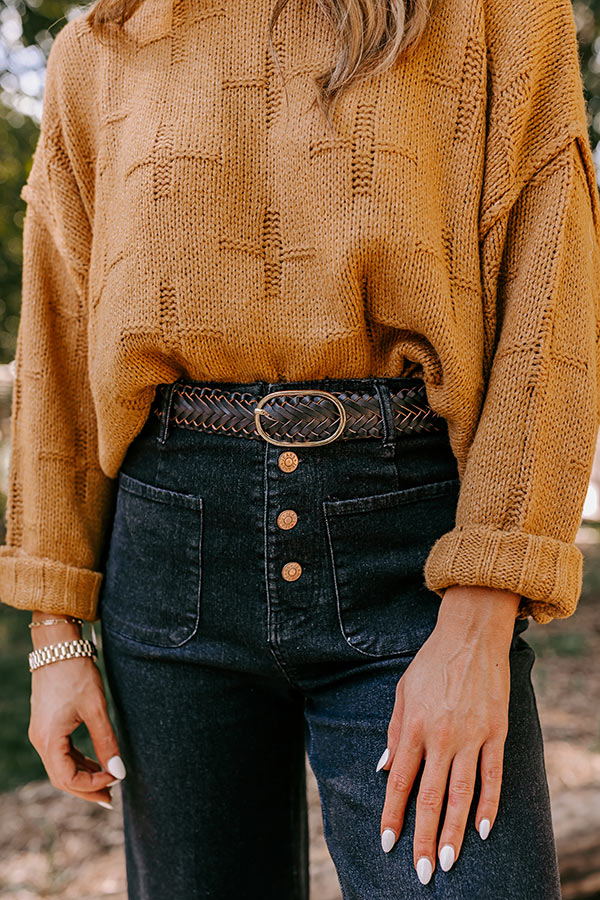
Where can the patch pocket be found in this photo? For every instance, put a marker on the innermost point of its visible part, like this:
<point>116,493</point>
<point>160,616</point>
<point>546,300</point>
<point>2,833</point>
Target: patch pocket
<point>378,546</point>
<point>151,587</point>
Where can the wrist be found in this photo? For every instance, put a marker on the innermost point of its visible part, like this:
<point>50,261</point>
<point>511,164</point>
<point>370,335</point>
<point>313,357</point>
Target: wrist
<point>37,614</point>
<point>43,635</point>
<point>491,608</point>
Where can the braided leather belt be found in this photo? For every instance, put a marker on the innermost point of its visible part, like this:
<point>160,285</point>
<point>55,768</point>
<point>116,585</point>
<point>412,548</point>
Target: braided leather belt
<point>301,416</point>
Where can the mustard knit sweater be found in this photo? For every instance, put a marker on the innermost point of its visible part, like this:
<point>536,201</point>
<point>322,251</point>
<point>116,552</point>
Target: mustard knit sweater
<point>183,217</point>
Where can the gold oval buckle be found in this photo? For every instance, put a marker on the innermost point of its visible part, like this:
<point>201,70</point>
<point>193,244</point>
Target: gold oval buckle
<point>259,409</point>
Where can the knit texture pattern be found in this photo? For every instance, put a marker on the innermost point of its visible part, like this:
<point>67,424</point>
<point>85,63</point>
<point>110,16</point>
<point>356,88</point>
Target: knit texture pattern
<point>188,215</point>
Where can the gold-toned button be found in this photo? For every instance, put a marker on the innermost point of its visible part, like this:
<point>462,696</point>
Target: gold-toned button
<point>287,461</point>
<point>291,571</point>
<point>287,518</point>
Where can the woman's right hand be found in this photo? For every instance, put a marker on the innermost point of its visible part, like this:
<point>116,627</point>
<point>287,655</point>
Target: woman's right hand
<point>64,694</point>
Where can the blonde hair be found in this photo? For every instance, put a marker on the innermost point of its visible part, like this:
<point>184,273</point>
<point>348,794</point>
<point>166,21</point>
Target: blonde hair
<point>371,35</point>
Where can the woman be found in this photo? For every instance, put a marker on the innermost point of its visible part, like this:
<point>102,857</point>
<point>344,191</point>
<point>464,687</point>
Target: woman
<point>305,407</point>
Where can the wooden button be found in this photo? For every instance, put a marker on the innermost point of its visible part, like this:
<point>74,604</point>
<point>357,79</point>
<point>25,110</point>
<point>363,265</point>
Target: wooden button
<point>291,571</point>
<point>287,518</point>
<point>287,461</point>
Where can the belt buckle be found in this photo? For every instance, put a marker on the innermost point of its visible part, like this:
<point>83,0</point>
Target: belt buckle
<point>258,410</point>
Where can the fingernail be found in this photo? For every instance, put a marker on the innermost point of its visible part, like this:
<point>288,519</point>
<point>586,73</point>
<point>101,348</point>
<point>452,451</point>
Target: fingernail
<point>388,839</point>
<point>104,804</point>
<point>424,869</point>
<point>446,857</point>
<point>383,759</point>
<point>115,767</point>
<point>484,828</point>
<point>116,781</point>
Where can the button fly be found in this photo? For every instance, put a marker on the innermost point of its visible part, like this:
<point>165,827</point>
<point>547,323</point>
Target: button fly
<point>291,571</point>
<point>287,461</point>
<point>287,518</point>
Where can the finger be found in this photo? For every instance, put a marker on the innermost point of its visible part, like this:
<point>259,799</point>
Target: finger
<point>90,765</point>
<point>103,737</point>
<point>63,773</point>
<point>429,807</point>
<point>492,758</point>
<point>393,733</point>
<point>401,777</point>
<point>83,761</point>
<point>395,725</point>
<point>460,797</point>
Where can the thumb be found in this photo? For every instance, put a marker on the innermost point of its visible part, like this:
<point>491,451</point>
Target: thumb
<point>103,738</point>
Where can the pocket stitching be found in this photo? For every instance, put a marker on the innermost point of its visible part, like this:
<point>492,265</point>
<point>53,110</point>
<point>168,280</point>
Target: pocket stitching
<point>337,594</point>
<point>374,502</point>
<point>147,491</point>
<point>160,495</point>
<point>390,498</point>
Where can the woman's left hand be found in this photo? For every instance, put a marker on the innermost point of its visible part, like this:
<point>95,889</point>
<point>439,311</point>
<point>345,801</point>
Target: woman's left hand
<point>451,703</point>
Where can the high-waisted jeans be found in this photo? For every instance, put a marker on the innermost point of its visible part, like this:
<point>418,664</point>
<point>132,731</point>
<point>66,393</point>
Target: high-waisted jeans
<point>224,670</point>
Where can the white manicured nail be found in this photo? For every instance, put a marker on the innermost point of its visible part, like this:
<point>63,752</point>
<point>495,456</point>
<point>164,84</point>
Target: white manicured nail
<point>116,781</point>
<point>104,804</point>
<point>484,828</point>
<point>424,869</point>
<point>115,767</point>
<point>446,857</point>
<point>388,839</point>
<point>383,759</point>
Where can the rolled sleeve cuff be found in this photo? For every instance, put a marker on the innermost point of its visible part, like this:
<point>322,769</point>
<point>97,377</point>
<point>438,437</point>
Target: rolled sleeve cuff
<point>28,582</point>
<point>545,571</point>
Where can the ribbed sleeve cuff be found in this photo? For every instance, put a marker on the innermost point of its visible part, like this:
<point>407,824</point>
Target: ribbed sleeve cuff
<point>29,582</point>
<point>545,571</point>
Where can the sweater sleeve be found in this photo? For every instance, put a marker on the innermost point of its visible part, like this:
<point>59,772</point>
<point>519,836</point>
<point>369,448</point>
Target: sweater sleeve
<point>529,465</point>
<point>59,500</point>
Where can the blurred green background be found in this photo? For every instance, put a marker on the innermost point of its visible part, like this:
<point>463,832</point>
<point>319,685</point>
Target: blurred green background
<point>27,30</point>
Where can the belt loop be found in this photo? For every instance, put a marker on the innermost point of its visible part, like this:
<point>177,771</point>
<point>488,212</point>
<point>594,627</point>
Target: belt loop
<point>387,415</point>
<point>165,410</point>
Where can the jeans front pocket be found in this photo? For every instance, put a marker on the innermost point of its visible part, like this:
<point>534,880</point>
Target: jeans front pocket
<point>378,546</point>
<point>151,587</point>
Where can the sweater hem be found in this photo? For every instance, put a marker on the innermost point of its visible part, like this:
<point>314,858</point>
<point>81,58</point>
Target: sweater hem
<point>33,583</point>
<point>545,571</point>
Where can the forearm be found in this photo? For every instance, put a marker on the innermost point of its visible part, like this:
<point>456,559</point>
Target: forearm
<point>479,610</point>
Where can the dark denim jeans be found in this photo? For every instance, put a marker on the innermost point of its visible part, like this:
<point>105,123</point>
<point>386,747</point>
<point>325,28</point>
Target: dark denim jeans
<point>223,671</point>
